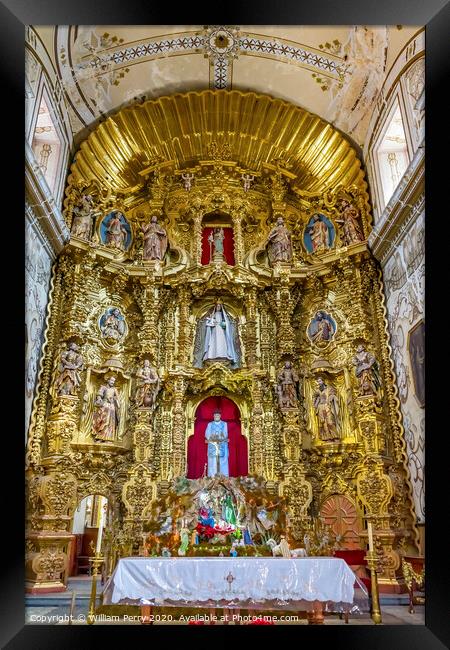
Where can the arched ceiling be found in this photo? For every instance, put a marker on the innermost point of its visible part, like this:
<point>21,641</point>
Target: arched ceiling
<point>250,129</point>
<point>334,72</point>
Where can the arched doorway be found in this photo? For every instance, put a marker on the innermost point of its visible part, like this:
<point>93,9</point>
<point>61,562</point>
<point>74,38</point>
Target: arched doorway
<point>237,446</point>
<point>90,519</point>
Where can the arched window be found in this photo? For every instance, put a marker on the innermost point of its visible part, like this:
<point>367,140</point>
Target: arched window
<point>392,153</point>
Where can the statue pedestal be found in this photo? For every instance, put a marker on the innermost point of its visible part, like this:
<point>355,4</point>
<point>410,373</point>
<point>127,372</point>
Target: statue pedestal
<point>47,564</point>
<point>221,360</point>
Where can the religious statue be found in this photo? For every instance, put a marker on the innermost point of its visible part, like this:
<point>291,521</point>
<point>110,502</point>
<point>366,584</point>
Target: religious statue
<point>367,371</point>
<point>70,364</point>
<point>321,329</point>
<point>216,243</point>
<point>319,234</point>
<point>326,406</point>
<point>184,537</point>
<point>228,510</point>
<point>155,240</point>
<point>216,437</point>
<point>279,247</point>
<point>217,338</point>
<point>148,386</point>
<point>82,217</point>
<point>116,233</point>
<point>351,229</point>
<point>287,387</point>
<point>106,414</point>
<point>112,324</point>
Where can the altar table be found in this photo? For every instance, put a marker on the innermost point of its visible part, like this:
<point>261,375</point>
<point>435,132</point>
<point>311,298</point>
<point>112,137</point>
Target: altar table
<point>311,584</point>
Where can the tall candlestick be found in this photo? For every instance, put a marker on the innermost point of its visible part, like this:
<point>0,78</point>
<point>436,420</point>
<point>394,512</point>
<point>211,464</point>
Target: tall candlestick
<point>99,539</point>
<point>369,530</point>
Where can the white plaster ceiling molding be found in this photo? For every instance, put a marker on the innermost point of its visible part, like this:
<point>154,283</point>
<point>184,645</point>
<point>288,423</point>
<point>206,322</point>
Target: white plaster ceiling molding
<point>332,71</point>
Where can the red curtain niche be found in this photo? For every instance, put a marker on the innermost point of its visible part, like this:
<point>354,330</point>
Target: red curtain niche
<point>228,245</point>
<point>237,443</point>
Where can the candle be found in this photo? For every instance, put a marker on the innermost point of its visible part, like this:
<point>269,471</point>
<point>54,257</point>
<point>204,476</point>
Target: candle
<point>369,530</point>
<point>99,540</point>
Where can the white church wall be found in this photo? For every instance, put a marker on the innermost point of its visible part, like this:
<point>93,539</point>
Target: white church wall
<point>404,278</point>
<point>38,263</point>
<point>397,239</point>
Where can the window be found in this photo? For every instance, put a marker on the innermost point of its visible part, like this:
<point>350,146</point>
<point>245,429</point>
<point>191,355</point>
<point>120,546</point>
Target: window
<point>392,154</point>
<point>46,144</point>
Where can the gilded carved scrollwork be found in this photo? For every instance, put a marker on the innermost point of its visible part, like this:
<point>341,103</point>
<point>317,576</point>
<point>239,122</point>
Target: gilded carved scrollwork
<point>304,446</point>
<point>299,493</point>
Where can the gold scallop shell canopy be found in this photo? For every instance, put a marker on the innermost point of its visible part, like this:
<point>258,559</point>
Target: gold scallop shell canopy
<point>257,129</point>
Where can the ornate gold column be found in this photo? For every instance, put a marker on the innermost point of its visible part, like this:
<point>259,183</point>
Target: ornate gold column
<point>251,326</point>
<point>179,426</point>
<point>256,455</point>
<point>185,334</point>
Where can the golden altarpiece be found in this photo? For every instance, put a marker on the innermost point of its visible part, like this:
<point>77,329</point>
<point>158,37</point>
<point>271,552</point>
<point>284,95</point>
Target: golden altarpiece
<point>246,164</point>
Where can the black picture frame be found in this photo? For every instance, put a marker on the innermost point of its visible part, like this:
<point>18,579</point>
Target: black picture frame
<point>435,14</point>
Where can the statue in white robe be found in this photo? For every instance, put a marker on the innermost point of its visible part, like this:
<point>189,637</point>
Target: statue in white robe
<point>217,338</point>
<point>216,437</point>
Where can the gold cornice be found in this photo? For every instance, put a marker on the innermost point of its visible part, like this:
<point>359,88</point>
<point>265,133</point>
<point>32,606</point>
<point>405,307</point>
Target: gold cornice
<point>180,127</point>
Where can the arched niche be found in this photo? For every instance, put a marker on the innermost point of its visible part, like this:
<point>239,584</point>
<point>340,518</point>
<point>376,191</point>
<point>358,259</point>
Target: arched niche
<point>211,224</point>
<point>237,446</point>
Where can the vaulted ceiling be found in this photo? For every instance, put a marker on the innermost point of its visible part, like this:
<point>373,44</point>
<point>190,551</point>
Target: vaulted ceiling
<point>334,72</point>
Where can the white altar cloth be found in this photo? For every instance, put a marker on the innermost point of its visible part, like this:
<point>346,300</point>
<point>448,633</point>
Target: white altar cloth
<point>252,581</point>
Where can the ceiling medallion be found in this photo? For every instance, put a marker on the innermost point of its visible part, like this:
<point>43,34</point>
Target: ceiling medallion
<point>221,41</point>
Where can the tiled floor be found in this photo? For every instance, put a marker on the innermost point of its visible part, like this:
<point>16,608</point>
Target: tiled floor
<point>54,609</point>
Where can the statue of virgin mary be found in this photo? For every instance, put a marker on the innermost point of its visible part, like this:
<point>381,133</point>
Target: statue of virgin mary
<point>217,338</point>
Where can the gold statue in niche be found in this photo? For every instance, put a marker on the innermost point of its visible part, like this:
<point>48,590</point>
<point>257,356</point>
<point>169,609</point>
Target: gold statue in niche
<point>351,229</point>
<point>68,378</point>
<point>287,387</point>
<point>326,405</point>
<point>160,312</point>
<point>367,371</point>
<point>148,386</point>
<point>279,246</point>
<point>107,412</point>
<point>155,240</point>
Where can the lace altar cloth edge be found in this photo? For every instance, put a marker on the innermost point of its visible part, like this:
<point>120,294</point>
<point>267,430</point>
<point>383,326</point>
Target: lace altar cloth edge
<point>236,582</point>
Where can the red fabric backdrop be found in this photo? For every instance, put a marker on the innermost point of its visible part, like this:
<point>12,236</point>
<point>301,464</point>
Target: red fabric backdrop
<point>228,245</point>
<point>237,444</point>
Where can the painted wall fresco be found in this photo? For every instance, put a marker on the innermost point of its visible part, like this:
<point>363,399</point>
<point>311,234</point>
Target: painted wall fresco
<point>404,276</point>
<point>37,279</point>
